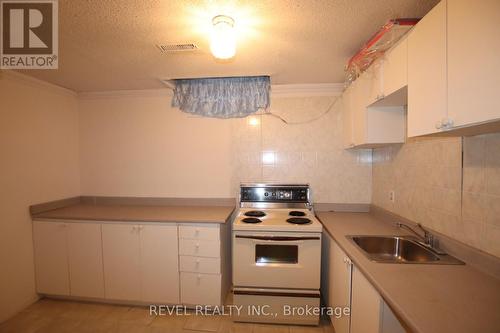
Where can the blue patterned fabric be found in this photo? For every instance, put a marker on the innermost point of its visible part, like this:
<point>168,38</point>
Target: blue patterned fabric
<point>232,97</point>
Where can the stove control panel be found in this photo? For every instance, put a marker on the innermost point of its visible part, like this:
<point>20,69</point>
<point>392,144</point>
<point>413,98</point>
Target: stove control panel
<point>274,193</point>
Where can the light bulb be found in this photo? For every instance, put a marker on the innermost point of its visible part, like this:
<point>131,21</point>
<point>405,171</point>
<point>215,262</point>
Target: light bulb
<point>223,37</point>
<point>253,121</point>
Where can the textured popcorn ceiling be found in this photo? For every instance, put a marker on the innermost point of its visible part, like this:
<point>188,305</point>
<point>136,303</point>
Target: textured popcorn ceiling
<point>110,45</point>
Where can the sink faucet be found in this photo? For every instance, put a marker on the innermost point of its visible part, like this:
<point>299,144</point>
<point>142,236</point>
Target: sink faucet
<point>428,238</point>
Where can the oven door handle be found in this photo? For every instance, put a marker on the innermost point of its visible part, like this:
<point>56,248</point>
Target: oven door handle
<point>280,238</point>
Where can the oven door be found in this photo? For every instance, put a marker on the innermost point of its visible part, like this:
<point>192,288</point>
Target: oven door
<point>276,260</point>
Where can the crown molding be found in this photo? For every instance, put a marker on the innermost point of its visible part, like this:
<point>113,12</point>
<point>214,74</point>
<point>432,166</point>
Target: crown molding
<point>277,90</point>
<point>29,80</point>
<point>304,90</point>
<point>125,93</point>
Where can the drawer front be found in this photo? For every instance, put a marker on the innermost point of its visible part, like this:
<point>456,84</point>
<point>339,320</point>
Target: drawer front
<point>200,289</point>
<point>199,248</point>
<point>200,265</point>
<point>199,232</point>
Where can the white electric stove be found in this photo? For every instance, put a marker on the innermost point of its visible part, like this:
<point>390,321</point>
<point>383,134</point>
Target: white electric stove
<point>276,255</point>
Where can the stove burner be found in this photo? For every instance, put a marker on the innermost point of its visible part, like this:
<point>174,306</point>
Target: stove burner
<point>255,213</point>
<point>296,213</point>
<point>251,220</point>
<point>298,220</point>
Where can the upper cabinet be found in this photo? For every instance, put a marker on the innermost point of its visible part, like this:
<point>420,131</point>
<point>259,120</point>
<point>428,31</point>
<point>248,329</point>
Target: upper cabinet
<point>373,106</point>
<point>395,69</point>
<point>473,61</point>
<point>446,73</point>
<point>427,73</point>
<point>453,69</point>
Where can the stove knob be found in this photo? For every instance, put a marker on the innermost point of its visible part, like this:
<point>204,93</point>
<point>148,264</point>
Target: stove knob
<point>266,194</point>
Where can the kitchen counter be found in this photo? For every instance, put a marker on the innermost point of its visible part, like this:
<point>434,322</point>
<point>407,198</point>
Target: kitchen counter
<point>139,213</point>
<point>427,298</point>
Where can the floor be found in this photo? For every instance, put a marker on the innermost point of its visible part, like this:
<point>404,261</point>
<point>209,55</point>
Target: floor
<point>56,316</point>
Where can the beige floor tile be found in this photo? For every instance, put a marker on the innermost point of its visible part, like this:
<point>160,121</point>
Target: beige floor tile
<point>56,316</point>
<point>131,328</point>
<point>306,329</point>
<point>24,322</point>
<point>267,328</point>
<point>49,308</point>
<point>173,323</point>
<point>228,326</point>
<point>135,316</point>
<point>96,326</point>
<point>90,311</point>
<point>61,325</point>
<point>203,323</point>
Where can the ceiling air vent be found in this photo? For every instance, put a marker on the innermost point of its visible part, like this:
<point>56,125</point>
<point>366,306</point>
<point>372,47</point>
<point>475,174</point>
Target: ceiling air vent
<point>168,48</point>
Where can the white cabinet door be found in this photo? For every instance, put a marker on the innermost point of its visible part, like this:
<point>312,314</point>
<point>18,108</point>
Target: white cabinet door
<point>85,260</point>
<point>360,95</point>
<point>340,286</point>
<point>473,61</point>
<point>390,324</point>
<point>395,68</point>
<point>200,289</point>
<point>376,86</point>
<point>159,264</point>
<point>427,88</point>
<point>206,232</point>
<point>200,265</point>
<point>200,248</point>
<point>51,258</point>
<point>366,305</point>
<point>122,266</point>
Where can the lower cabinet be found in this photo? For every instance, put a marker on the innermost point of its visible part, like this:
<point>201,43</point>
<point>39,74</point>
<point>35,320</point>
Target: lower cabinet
<point>198,288</point>
<point>141,263</point>
<point>68,259</point>
<point>336,282</point>
<point>344,285</point>
<point>365,305</point>
<point>122,261</point>
<point>204,260</point>
<point>86,275</point>
<point>51,258</point>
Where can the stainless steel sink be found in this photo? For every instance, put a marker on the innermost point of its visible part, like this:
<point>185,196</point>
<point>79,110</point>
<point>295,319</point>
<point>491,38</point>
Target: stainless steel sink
<point>400,250</point>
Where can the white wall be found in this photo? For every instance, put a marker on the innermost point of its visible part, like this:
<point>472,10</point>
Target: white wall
<point>135,144</point>
<point>39,162</point>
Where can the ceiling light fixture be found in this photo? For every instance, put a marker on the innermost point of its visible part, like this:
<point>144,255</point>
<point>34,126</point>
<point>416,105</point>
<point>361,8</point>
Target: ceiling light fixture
<point>223,37</point>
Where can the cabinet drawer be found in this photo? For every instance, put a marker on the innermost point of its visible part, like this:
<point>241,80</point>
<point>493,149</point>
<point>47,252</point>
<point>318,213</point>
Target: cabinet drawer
<point>200,289</point>
<point>199,265</point>
<point>201,248</point>
<point>199,232</point>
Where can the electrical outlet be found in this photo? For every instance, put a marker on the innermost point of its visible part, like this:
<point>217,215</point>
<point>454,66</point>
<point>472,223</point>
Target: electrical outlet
<point>392,196</point>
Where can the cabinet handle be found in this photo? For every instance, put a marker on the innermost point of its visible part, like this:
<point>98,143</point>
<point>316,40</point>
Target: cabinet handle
<point>197,262</point>
<point>447,123</point>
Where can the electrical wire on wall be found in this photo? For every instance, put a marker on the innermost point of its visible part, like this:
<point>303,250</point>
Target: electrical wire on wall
<point>267,112</point>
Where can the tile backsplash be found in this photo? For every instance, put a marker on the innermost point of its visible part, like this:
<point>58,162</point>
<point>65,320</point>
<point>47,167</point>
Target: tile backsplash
<point>306,150</point>
<point>435,186</point>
